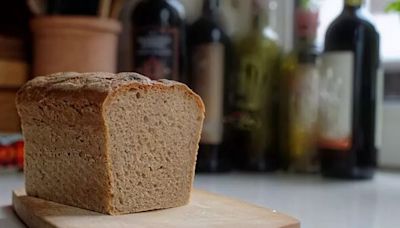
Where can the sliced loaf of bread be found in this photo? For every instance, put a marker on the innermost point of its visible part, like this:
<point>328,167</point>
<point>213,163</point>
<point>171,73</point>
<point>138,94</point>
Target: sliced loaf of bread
<point>112,143</point>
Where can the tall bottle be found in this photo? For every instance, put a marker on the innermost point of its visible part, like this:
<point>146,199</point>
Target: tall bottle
<point>250,135</point>
<point>301,113</point>
<point>207,48</point>
<point>158,39</point>
<point>301,93</point>
<point>347,122</point>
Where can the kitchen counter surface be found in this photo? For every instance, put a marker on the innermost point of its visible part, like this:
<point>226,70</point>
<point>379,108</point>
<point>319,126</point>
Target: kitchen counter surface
<point>315,201</point>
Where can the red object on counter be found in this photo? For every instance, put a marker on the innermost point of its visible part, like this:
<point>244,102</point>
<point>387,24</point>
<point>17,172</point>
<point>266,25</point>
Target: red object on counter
<point>12,154</point>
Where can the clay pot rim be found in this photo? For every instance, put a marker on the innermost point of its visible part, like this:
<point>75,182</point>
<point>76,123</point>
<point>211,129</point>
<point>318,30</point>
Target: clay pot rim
<point>45,23</point>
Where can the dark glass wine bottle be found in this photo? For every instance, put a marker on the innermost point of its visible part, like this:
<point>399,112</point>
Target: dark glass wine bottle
<point>158,34</point>
<point>348,96</point>
<point>207,71</point>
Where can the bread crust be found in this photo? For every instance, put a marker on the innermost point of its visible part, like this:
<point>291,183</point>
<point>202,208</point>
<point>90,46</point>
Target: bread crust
<point>101,84</point>
<point>100,89</point>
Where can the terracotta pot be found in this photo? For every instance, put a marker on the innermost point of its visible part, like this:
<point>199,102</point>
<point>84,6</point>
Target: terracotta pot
<point>70,43</point>
<point>14,68</point>
<point>9,119</point>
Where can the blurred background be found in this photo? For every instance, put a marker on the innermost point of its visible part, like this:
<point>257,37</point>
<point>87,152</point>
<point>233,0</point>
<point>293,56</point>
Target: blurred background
<point>305,87</point>
<point>259,66</point>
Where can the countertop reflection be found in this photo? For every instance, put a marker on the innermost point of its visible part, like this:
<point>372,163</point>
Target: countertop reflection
<point>315,201</point>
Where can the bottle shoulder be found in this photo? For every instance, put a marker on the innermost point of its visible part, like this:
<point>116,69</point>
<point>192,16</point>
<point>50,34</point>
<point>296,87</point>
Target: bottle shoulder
<point>346,30</point>
<point>179,7</point>
<point>350,22</point>
<point>155,13</point>
<point>205,23</point>
<point>262,47</point>
<point>206,30</point>
<point>257,41</point>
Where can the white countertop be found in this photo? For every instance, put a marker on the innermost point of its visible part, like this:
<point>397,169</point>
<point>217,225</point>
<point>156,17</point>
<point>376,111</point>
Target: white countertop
<point>316,202</point>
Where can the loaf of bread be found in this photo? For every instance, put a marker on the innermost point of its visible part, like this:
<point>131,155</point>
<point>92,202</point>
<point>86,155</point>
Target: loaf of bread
<point>112,143</point>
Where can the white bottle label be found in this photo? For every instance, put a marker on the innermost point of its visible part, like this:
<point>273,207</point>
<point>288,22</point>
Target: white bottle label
<point>379,108</point>
<point>208,81</point>
<point>336,100</point>
<point>303,109</point>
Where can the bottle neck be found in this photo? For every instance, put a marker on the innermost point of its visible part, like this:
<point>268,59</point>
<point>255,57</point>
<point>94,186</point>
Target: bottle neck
<point>260,15</point>
<point>210,7</point>
<point>353,4</point>
<point>260,20</point>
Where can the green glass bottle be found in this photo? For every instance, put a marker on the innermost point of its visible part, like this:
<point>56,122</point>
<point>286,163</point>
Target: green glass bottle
<point>249,130</point>
<point>302,93</point>
<point>302,114</point>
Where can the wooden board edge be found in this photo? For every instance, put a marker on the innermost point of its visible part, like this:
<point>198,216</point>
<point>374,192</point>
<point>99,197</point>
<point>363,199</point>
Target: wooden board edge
<point>20,203</point>
<point>21,209</point>
<point>294,222</point>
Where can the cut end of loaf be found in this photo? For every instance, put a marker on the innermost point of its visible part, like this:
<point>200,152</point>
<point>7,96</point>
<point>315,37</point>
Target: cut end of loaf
<point>110,143</point>
<point>153,147</point>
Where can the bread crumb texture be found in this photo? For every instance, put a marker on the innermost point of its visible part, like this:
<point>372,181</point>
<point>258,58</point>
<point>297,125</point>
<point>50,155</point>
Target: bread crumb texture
<point>112,143</point>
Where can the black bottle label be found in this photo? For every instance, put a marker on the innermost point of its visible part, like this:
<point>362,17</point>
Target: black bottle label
<point>336,100</point>
<point>208,81</point>
<point>156,53</point>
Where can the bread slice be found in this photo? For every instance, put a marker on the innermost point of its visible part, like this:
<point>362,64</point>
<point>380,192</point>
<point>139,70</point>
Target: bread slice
<point>110,143</point>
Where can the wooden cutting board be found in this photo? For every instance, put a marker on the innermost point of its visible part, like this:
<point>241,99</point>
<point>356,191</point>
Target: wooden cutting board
<point>204,210</point>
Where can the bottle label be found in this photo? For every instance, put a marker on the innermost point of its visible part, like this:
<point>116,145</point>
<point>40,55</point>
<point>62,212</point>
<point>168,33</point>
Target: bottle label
<point>156,53</point>
<point>303,109</point>
<point>252,84</point>
<point>379,108</point>
<point>252,104</point>
<point>336,100</point>
<point>208,80</point>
